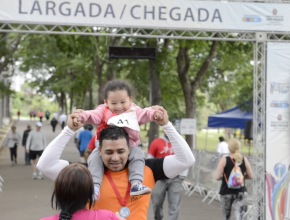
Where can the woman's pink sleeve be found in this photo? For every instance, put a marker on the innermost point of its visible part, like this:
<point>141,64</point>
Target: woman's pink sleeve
<point>93,117</point>
<point>145,115</point>
<point>104,214</point>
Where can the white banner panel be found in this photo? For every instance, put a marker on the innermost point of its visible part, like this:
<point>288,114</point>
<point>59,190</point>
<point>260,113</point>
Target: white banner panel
<point>162,14</point>
<point>277,131</point>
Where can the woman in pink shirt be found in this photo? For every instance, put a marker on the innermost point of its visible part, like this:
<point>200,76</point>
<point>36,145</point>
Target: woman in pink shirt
<point>73,190</point>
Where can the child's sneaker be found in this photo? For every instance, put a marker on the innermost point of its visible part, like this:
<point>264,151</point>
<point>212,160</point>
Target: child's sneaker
<point>138,189</point>
<point>96,195</point>
<point>34,176</point>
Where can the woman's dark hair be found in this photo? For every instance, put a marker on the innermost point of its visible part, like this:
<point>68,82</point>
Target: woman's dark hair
<point>113,133</point>
<point>115,85</point>
<point>73,189</point>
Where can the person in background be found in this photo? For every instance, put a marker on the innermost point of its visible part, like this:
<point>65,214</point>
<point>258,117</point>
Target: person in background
<point>18,115</point>
<point>83,141</point>
<point>36,142</point>
<point>53,123</point>
<point>34,114</point>
<point>24,140</point>
<point>223,147</point>
<point>160,148</point>
<point>12,142</point>
<point>40,115</point>
<point>72,200</point>
<point>62,120</point>
<point>77,135</point>
<point>55,115</point>
<point>90,148</point>
<point>235,198</point>
<point>47,115</point>
<point>30,115</point>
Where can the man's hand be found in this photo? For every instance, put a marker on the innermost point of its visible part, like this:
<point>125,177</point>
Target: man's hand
<point>70,123</point>
<point>27,151</point>
<point>164,120</point>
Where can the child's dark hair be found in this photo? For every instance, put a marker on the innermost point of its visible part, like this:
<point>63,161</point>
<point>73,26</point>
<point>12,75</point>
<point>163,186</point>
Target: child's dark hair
<point>115,85</point>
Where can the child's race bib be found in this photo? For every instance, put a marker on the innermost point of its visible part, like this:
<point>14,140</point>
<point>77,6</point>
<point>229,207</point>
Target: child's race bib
<point>128,120</point>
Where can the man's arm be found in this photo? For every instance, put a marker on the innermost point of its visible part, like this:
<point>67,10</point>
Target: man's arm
<point>183,159</point>
<point>49,163</point>
<point>173,165</point>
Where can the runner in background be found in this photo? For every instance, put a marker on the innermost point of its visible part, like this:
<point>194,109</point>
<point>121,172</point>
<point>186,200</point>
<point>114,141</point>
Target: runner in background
<point>18,115</point>
<point>34,114</point>
<point>47,115</point>
<point>90,148</point>
<point>77,135</point>
<point>40,115</point>
<point>12,141</point>
<point>83,141</point>
<point>53,123</point>
<point>36,142</point>
<point>62,120</point>
<point>160,148</point>
<point>24,140</point>
<point>30,115</point>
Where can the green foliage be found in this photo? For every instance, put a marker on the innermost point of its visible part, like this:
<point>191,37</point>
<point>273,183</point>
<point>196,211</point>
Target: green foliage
<point>61,64</point>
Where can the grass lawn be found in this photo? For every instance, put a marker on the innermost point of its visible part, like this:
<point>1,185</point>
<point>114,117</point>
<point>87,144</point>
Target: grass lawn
<point>212,142</point>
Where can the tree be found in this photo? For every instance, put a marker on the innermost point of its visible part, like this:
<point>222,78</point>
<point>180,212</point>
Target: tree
<point>191,84</point>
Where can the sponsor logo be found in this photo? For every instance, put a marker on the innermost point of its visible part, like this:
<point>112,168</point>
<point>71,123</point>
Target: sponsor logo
<point>274,16</point>
<point>275,104</point>
<point>279,88</point>
<point>280,123</point>
<point>252,18</point>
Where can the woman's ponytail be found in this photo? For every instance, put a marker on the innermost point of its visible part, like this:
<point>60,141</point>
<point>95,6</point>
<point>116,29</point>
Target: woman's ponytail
<point>238,157</point>
<point>65,216</point>
<point>234,147</point>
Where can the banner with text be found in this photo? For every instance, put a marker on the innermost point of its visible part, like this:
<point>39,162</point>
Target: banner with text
<point>161,14</point>
<point>277,131</point>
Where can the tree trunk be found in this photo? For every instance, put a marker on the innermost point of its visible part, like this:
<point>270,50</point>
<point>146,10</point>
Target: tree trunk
<point>155,99</point>
<point>111,74</point>
<point>84,99</point>
<point>190,88</point>
<point>8,107</point>
<point>91,96</point>
<point>183,65</point>
<point>65,103</point>
<point>71,96</point>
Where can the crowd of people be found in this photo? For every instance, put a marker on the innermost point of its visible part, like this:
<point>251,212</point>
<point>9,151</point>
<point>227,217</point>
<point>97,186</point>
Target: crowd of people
<point>111,164</point>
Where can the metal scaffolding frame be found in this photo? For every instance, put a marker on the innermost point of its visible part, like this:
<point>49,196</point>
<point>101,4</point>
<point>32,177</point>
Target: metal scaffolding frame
<point>259,39</point>
<point>246,36</point>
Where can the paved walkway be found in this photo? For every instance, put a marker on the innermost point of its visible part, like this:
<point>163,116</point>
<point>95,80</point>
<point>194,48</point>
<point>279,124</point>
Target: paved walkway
<point>27,199</point>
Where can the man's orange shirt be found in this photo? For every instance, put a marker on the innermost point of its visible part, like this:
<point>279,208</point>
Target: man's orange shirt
<point>138,205</point>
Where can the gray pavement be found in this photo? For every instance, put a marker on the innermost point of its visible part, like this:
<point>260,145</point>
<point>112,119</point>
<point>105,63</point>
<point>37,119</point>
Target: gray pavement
<point>27,199</point>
